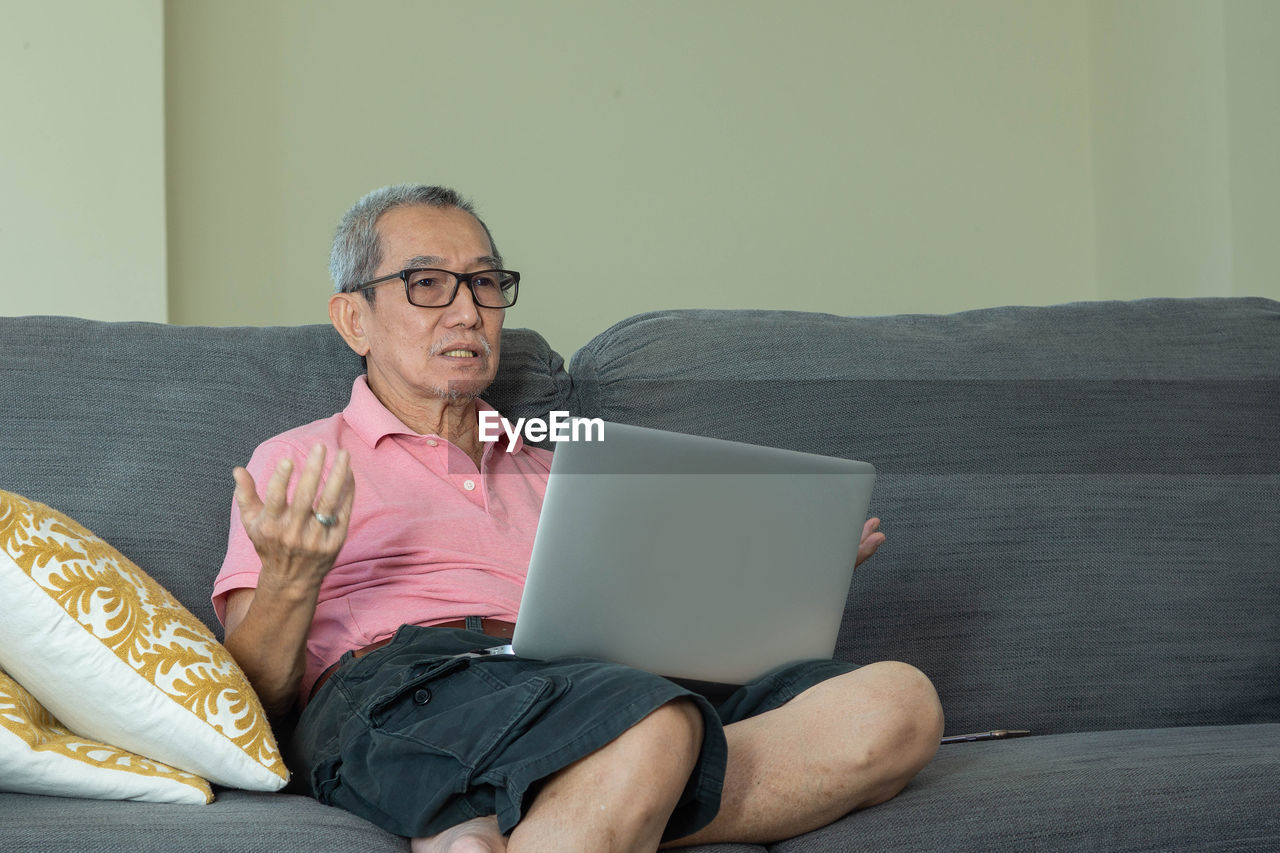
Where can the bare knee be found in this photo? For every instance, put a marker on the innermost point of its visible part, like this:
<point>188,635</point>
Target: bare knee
<point>672,734</point>
<point>912,693</point>
<point>637,780</point>
<point>659,753</point>
<point>906,728</point>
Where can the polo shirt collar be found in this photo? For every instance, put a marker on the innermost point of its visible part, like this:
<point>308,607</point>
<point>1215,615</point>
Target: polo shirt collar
<point>372,421</point>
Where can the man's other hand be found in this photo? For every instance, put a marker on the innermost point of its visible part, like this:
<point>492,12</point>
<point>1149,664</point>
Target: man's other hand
<point>871,540</point>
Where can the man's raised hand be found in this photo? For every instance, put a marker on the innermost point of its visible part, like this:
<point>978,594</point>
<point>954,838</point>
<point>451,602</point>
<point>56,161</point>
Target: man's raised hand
<point>289,536</point>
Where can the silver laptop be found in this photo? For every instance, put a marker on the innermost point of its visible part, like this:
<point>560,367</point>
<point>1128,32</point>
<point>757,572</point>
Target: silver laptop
<point>691,557</point>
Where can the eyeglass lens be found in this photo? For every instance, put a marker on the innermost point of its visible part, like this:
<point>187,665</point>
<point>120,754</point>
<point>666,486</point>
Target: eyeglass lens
<point>433,288</point>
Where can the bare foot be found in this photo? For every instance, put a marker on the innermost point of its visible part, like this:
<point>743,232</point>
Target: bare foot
<point>479,835</point>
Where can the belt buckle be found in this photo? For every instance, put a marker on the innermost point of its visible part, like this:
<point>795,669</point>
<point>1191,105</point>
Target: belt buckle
<point>492,650</point>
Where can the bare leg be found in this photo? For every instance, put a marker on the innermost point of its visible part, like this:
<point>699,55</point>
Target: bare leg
<point>619,798</point>
<point>616,799</point>
<point>475,836</point>
<point>847,743</point>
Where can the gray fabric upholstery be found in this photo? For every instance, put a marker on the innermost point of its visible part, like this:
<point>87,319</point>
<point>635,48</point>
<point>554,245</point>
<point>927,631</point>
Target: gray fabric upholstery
<point>237,822</point>
<point>1184,789</point>
<point>1080,502</point>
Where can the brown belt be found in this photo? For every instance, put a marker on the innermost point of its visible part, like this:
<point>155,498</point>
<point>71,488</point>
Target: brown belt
<point>488,627</point>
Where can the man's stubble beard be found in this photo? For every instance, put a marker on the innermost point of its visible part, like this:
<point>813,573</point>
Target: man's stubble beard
<point>459,390</point>
<point>454,395</point>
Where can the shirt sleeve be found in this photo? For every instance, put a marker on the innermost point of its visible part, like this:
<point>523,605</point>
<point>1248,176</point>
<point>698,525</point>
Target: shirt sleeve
<point>241,566</point>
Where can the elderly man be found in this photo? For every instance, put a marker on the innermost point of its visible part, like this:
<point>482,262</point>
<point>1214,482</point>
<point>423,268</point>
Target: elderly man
<point>366,604</point>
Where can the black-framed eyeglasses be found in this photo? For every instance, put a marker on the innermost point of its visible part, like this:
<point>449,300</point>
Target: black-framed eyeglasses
<point>432,288</point>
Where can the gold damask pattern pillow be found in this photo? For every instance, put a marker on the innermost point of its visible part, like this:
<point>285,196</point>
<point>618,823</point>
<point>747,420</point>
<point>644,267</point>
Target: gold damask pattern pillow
<point>41,756</point>
<point>117,659</point>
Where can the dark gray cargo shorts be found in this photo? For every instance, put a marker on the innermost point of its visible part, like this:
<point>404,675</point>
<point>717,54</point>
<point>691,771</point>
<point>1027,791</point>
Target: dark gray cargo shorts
<point>417,737</point>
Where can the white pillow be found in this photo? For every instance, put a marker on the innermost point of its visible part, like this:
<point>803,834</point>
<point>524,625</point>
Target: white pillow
<point>117,659</point>
<point>40,756</point>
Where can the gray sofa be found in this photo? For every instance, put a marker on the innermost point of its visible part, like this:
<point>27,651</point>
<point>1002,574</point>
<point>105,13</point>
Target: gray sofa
<point>1081,505</point>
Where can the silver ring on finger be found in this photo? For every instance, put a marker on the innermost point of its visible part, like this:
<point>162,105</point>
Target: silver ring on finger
<point>325,519</point>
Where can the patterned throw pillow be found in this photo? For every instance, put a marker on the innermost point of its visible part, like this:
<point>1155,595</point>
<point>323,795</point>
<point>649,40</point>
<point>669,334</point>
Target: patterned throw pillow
<point>117,659</point>
<point>40,756</point>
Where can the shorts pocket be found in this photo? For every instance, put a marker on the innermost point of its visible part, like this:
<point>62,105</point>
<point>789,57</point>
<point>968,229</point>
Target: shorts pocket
<point>523,703</point>
<point>416,762</point>
<point>464,713</point>
<point>414,682</point>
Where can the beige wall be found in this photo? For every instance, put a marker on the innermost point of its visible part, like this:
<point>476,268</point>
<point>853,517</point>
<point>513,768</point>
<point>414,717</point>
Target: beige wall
<point>82,219</point>
<point>852,157</point>
<point>1186,108</point>
<point>1252,31</point>
<point>858,157</point>
<point>1162,161</point>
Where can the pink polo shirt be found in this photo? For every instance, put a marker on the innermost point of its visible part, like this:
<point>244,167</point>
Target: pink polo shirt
<point>431,538</point>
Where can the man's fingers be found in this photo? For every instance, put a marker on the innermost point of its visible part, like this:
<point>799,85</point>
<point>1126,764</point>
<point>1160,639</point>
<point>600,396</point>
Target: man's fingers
<point>297,511</point>
<point>348,497</point>
<point>333,499</point>
<point>871,540</point>
<point>246,492</point>
<point>304,496</point>
<point>278,487</point>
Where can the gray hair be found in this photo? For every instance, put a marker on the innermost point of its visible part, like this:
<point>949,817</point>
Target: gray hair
<point>357,247</point>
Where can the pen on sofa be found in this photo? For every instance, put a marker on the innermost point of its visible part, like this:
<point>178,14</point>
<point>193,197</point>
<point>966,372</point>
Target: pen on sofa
<point>994,734</point>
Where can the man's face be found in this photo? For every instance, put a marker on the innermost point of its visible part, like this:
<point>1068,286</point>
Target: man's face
<point>449,352</point>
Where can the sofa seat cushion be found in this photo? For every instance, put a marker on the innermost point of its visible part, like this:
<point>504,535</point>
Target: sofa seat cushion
<point>1195,788</point>
<point>237,822</point>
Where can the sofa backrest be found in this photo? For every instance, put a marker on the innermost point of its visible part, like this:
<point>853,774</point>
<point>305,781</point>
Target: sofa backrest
<point>132,429</point>
<point>1080,501</point>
